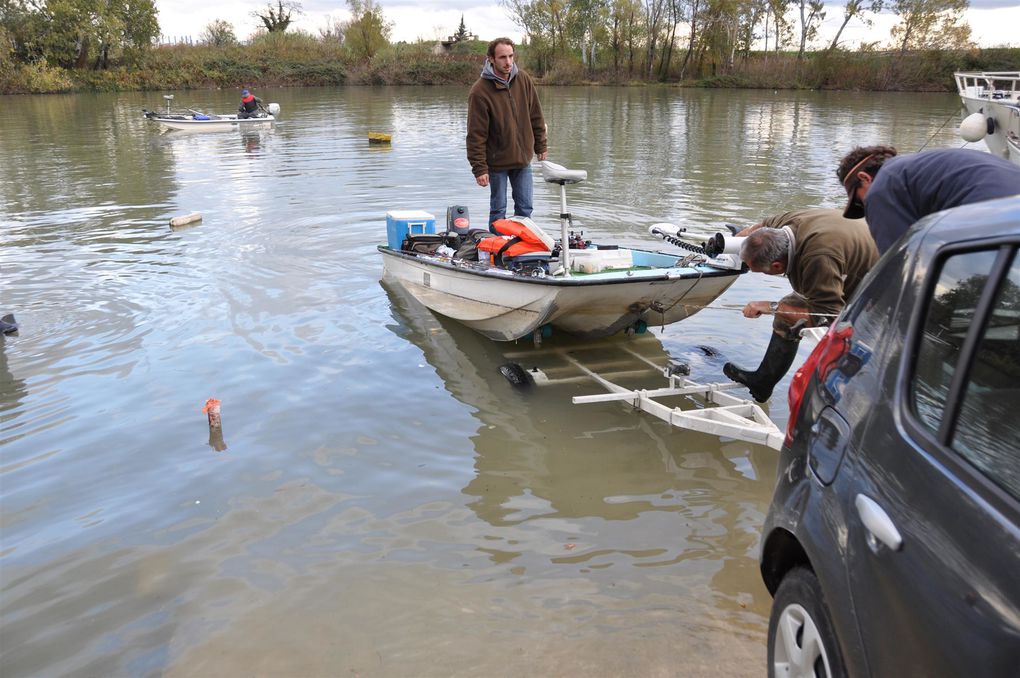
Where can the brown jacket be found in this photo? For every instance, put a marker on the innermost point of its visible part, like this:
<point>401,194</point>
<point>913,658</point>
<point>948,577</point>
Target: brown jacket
<point>831,256</point>
<point>505,127</point>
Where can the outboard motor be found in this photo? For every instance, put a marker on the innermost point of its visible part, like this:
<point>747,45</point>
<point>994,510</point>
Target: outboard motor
<point>459,234</point>
<point>457,220</point>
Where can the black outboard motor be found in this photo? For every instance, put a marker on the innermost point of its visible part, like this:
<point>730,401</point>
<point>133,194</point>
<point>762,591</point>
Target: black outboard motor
<point>457,220</point>
<point>459,234</point>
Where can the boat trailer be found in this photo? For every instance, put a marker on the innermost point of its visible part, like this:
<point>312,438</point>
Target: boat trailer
<point>724,415</point>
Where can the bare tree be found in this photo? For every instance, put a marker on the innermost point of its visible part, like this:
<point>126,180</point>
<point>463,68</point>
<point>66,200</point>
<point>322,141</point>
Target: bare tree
<point>654,12</point>
<point>333,31</point>
<point>218,33</point>
<point>856,8</point>
<point>278,19</point>
<point>812,12</point>
<point>931,24</point>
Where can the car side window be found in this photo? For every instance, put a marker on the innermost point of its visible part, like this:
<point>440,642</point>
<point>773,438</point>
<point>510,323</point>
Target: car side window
<point>949,315</point>
<point>988,427</point>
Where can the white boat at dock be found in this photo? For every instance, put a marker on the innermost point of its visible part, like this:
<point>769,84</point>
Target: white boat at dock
<point>640,288</point>
<point>992,110</point>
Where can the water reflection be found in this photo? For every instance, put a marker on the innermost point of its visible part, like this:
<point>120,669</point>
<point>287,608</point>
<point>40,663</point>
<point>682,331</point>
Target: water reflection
<point>12,392</point>
<point>580,490</point>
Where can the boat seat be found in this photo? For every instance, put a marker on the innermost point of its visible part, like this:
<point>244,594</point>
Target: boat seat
<point>558,174</point>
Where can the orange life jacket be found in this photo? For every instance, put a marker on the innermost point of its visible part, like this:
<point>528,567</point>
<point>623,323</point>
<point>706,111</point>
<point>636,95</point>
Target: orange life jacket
<point>515,239</point>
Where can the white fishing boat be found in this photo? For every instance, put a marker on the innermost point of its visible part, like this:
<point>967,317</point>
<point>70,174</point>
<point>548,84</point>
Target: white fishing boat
<point>588,290</point>
<point>992,111</point>
<point>192,120</point>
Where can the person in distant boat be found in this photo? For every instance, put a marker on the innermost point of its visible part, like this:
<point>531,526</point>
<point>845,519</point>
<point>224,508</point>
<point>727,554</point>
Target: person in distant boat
<point>505,128</point>
<point>250,105</point>
<point>894,191</point>
<point>825,256</point>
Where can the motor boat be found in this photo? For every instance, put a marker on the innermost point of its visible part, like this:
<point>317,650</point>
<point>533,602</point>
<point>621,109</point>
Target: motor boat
<point>192,120</point>
<point>586,289</point>
<point>991,102</point>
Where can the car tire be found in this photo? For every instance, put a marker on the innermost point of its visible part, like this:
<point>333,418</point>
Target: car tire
<point>801,638</point>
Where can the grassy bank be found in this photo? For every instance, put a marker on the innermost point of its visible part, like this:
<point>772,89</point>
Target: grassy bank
<point>294,59</point>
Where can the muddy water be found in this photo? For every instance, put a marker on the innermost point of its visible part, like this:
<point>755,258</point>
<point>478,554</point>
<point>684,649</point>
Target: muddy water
<point>387,504</point>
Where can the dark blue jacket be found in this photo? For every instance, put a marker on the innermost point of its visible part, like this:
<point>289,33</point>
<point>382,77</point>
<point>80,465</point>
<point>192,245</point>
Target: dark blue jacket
<point>909,187</point>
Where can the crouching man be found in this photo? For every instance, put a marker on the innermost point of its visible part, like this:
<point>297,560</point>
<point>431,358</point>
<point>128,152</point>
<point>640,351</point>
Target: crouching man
<point>825,257</point>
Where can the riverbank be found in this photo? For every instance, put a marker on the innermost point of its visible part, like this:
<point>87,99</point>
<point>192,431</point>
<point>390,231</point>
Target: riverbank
<point>286,60</point>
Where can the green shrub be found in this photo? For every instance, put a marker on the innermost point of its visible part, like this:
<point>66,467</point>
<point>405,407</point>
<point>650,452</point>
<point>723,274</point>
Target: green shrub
<point>37,78</point>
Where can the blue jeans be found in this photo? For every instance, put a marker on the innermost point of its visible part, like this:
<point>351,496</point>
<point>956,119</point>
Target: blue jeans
<point>521,186</point>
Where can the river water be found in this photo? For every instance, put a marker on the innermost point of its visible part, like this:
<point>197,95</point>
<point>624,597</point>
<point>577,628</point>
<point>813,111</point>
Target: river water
<point>382,501</point>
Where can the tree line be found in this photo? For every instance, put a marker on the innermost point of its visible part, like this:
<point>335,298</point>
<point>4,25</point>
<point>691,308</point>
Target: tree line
<point>67,45</point>
<point>675,39</point>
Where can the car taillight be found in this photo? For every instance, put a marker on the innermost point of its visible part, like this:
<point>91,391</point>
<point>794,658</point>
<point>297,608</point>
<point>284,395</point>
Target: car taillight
<point>833,346</point>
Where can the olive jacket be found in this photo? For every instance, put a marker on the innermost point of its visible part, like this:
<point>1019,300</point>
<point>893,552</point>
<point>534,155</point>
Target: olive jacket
<point>505,126</point>
<point>831,256</point>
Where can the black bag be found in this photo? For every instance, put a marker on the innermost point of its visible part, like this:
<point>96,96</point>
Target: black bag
<point>422,243</point>
<point>467,245</point>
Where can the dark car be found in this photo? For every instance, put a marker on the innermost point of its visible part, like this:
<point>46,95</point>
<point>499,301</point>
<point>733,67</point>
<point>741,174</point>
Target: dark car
<point>892,545</point>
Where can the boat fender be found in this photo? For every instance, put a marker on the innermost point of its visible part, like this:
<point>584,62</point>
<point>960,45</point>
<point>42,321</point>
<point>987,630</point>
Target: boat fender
<point>974,127</point>
<point>177,222</point>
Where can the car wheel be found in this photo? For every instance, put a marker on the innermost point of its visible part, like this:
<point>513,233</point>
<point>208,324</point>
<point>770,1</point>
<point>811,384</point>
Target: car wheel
<point>801,639</point>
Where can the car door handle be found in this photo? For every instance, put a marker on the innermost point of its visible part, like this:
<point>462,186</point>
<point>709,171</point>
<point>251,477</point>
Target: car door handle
<point>880,527</point>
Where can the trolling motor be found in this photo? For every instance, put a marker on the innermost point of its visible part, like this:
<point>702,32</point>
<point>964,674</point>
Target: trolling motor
<point>716,244</point>
<point>725,248</point>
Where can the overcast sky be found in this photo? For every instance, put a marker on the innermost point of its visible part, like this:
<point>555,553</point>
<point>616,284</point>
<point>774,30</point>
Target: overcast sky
<point>994,22</point>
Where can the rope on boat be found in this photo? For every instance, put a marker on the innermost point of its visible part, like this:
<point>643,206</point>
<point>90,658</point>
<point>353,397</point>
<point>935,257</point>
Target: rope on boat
<point>735,307</point>
<point>951,116</point>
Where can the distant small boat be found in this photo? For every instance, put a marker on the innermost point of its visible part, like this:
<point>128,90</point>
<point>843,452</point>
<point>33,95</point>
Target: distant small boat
<point>379,138</point>
<point>193,120</point>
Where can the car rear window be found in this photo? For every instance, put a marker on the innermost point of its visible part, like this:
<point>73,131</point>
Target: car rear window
<point>987,429</point>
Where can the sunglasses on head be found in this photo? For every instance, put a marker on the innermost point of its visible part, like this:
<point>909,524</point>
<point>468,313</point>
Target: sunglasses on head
<point>854,206</point>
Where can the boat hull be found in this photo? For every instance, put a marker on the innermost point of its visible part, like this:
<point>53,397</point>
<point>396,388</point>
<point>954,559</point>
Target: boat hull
<point>220,123</point>
<point>504,306</point>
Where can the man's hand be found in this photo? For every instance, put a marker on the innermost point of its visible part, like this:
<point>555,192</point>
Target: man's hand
<point>482,180</point>
<point>786,312</point>
<point>756,309</point>
<point>543,155</point>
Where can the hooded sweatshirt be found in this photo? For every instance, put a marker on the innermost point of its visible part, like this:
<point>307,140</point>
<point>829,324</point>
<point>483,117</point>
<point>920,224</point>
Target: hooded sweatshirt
<point>505,124</point>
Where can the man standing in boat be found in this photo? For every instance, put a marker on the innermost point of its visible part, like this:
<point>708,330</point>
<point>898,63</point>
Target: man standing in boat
<point>505,128</point>
<point>913,186</point>
<point>249,105</point>
<point>825,256</point>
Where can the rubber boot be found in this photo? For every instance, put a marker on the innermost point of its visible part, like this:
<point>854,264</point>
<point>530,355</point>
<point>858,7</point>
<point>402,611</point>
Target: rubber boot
<point>778,358</point>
